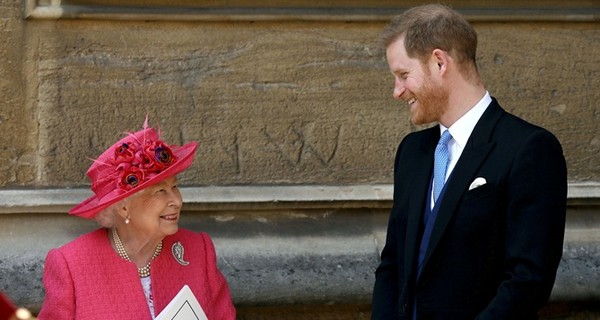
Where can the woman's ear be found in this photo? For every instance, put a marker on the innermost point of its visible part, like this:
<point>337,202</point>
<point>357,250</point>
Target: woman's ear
<point>122,210</point>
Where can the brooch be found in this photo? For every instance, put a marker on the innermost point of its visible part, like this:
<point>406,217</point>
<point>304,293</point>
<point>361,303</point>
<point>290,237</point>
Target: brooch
<point>177,250</point>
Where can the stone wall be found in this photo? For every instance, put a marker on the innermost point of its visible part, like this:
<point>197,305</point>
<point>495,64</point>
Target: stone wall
<point>271,102</point>
<point>282,108</point>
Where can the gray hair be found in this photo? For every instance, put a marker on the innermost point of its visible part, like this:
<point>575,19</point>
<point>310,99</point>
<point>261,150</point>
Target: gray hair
<point>109,215</point>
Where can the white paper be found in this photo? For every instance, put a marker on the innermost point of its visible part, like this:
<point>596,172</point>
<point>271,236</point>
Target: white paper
<point>184,306</point>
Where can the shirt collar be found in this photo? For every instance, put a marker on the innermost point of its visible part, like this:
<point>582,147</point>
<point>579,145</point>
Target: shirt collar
<point>461,130</point>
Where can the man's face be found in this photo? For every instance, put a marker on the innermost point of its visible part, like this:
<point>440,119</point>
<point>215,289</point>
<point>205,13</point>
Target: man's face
<point>418,84</point>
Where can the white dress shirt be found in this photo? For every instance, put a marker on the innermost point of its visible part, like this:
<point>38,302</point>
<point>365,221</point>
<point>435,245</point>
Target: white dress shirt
<point>461,131</point>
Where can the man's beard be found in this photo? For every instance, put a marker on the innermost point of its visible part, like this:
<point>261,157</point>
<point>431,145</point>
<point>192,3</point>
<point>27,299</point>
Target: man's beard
<point>433,102</point>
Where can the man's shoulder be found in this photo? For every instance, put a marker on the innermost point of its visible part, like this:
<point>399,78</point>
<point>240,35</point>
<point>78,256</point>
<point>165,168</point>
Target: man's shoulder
<point>514,127</point>
<point>511,133</point>
<point>417,138</point>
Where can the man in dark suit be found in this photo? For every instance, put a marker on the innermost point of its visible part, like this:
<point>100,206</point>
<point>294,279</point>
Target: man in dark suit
<point>481,235</point>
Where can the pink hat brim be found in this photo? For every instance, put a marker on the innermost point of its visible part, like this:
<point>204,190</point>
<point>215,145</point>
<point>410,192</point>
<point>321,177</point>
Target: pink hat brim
<point>89,207</point>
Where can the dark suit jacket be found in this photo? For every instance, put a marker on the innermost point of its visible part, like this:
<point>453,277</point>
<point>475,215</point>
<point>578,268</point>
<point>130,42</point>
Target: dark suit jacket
<point>495,249</point>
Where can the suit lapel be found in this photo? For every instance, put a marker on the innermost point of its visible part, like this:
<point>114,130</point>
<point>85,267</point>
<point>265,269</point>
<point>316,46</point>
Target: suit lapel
<point>478,147</point>
<point>419,185</point>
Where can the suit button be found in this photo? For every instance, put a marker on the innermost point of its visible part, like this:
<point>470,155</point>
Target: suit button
<point>404,307</point>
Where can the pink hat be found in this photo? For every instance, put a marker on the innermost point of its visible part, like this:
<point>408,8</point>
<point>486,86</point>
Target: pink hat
<point>133,163</point>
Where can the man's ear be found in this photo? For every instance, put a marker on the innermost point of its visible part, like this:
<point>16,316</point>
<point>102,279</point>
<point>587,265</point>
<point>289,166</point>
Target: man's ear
<point>441,59</point>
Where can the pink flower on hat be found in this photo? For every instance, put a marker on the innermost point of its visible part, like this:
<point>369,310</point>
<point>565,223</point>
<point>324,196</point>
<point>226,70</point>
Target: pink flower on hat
<point>135,163</point>
<point>124,153</point>
<point>131,176</point>
<point>160,155</point>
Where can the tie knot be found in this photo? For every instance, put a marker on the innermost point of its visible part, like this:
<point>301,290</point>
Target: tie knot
<point>441,159</point>
<point>446,136</point>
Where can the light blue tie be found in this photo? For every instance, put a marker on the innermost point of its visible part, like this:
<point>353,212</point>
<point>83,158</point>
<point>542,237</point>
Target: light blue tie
<point>442,158</point>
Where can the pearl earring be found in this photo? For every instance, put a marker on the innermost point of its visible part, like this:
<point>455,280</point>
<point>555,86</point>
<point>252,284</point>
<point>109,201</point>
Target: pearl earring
<point>127,220</point>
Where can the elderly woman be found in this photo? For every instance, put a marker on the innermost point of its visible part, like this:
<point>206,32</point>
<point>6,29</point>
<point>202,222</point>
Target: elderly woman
<point>134,265</point>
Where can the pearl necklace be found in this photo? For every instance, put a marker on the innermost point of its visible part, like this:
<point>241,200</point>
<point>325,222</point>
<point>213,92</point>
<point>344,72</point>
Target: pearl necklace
<point>144,271</point>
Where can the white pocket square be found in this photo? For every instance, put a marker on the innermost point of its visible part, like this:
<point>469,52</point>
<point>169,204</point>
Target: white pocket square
<point>478,182</point>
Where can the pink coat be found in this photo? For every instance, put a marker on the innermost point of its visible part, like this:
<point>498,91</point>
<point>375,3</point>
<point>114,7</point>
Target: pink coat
<point>86,279</point>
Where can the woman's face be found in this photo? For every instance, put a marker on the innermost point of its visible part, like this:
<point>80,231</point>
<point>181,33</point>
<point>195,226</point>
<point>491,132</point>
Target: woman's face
<point>154,212</point>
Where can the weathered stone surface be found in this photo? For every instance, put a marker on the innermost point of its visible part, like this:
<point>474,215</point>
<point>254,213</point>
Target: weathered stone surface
<point>270,102</point>
<point>17,127</point>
